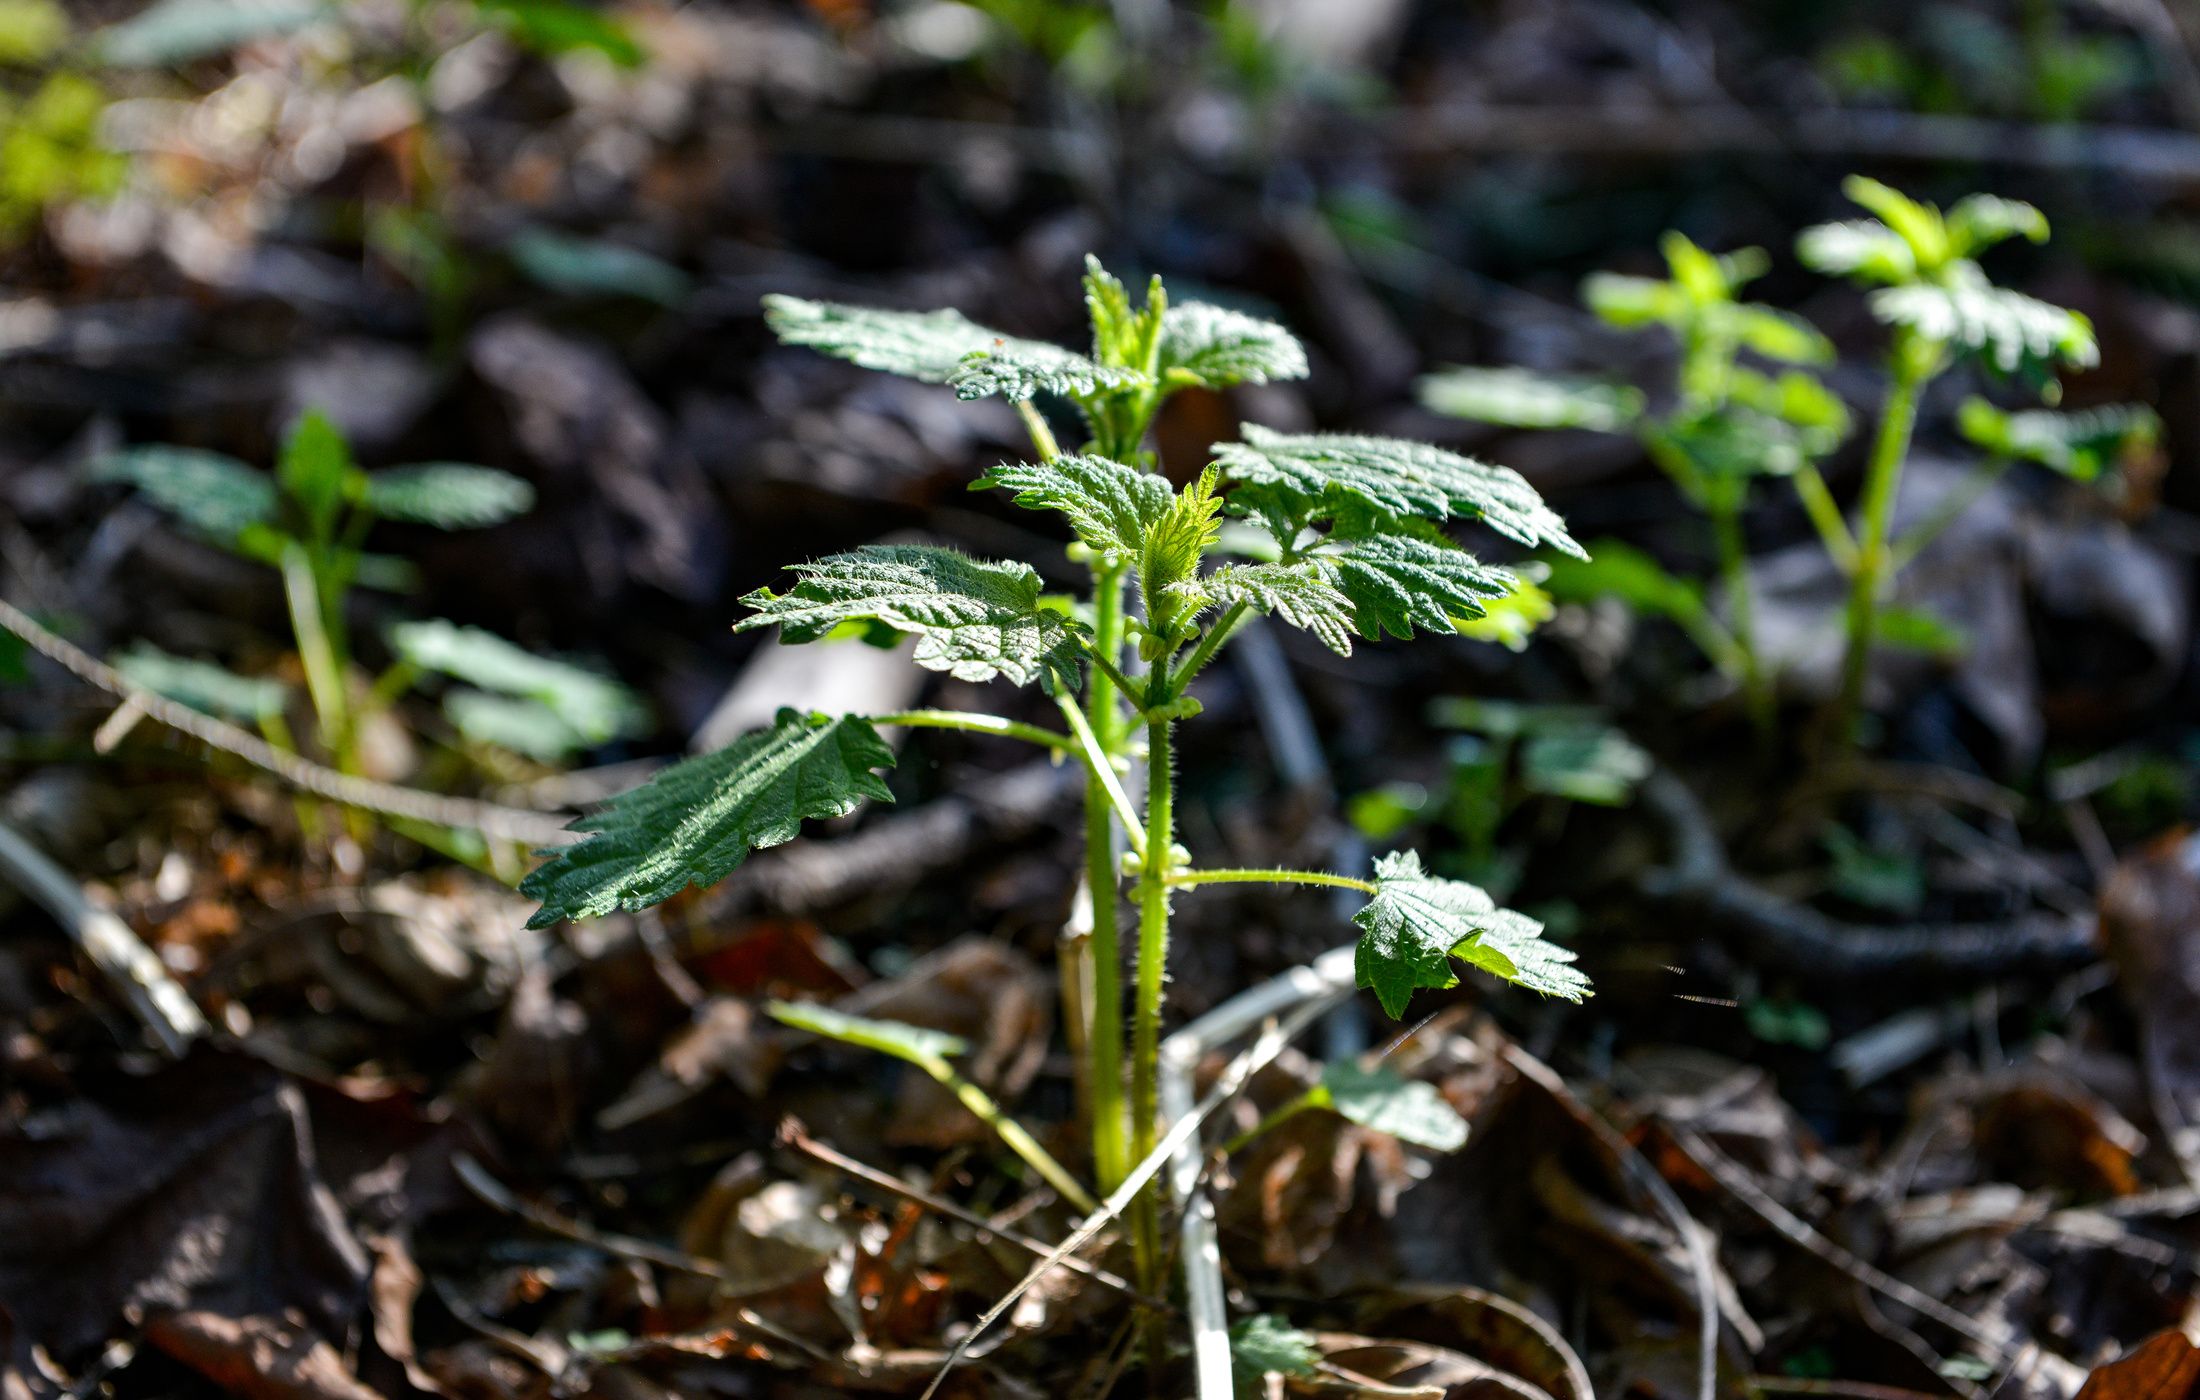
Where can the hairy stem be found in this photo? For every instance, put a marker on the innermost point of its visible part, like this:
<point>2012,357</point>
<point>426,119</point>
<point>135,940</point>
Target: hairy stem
<point>1913,365</point>
<point>1153,959</point>
<point>1192,879</point>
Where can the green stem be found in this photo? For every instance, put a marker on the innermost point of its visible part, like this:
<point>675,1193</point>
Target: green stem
<point>1212,642</point>
<point>1914,363</point>
<point>1042,436</point>
<point>1010,1132</point>
<point>1153,961</point>
<point>1104,1037</point>
<point>316,650</point>
<point>1818,504</point>
<point>1192,879</point>
<point>1726,526</point>
<point>980,724</point>
<point>1101,770</point>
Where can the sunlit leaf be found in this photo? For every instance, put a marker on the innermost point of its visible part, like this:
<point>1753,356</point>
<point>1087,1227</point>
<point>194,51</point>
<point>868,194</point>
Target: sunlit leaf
<point>1215,346</point>
<point>170,32</point>
<point>202,685</point>
<point>1385,1101</point>
<point>448,495</point>
<point>207,491</point>
<point>694,823</point>
<point>973,620</point>
<point>593,706</point>
<point>1110,506</point>
<point>1417,922</point>
<point>916,1044</point>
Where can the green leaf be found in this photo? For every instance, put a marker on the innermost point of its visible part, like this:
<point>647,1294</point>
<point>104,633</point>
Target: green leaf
<point>694,823</point>
<point>524,726</point>
<point>1122,335</point>
<point>596,266</point>
<point>180,31</point>
<point>1616,569</point>
<point>315,471</point>
<point>1775,334</point>
<point>1018,370</point>
<point>1385,1101</point>
<point>1913,629</point>
<point>1215,346</point>
<point>1630,303</point>
<point>1917,223</point>
<point>1168,558</point>
<point>593,706</point>
<point>2010,330</point>
<point>2078,445</point>
<point>1510,619</point>
<point>1398,582</point>
<point>448,495</point>
<point>1393,479</point>
<point>926,345</point>
<point>1592,763</point>
<point>1111,507</point>
<point>1863,249</point>
<point>556,27</point>
<point>1265,1344</point>
<point>1416,923</point>
<point>919,1045</point>
<point>973,620</point>
<point>1797,400</point>
<point>1300,594</point>
<point>1519,398</point>
<point>202,685</point>
<point>214,494</point>
<point>1979,221</point>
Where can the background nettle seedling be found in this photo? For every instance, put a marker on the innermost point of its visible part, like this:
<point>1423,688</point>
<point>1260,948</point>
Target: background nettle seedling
<point>1353,545</point>
<point>1930,291</point>
<point>1725,424</point>
<point>310,521</point>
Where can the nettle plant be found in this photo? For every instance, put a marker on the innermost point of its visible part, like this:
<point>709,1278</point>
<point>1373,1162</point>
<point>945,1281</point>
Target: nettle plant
<point>1352,545</point>
<point>310,521</point>
<point>1940,307</point>
<point>1725,424</point>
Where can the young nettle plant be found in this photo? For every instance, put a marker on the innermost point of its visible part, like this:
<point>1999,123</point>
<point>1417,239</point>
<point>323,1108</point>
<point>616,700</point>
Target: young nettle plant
<point>1725,424</point>
<point>1355,545</point>
<point>1940,307</point>
<point>310,521</point>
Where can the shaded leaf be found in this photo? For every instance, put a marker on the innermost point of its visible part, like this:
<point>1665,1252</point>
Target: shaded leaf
<point>694,823</point>
<point>973,620</point>
<point>1385,1101</point>
<point>1215,346</point>
<point>1590,763</point>
<point>448,495</point>
<point>1110,506</point>
<point>1265,1344</point>
<point>315,470</point>
<point>916,1044</point>
<point>202,685</point>
<point>1391,478</point>
<point>594,707</point>
<point>556,27</point>
<point>588,266</point>
<point>210,492</point>
<point>1519,398</point>
<point>2078,445</point>
<point>513,722</point>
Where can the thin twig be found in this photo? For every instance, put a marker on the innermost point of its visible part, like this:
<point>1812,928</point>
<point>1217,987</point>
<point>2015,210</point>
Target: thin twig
<point>136,970</point>
<point>508,823</point>
<point>1232,1080</point>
